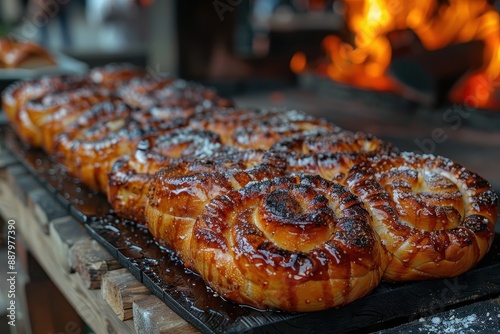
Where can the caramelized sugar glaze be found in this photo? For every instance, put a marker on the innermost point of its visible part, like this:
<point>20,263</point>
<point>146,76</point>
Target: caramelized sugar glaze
<point>297,243</point>
<point>435,217</point>
<point>273,208</point>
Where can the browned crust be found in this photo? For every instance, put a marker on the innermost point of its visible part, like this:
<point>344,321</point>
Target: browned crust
<point>434,216</point>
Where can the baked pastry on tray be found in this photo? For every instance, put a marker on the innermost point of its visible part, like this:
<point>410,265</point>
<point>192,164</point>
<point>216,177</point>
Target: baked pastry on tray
<point>23,54</point>
<point>273,208</point>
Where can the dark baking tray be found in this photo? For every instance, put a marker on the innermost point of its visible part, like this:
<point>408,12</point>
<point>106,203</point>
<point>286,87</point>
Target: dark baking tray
<point>390,304</point>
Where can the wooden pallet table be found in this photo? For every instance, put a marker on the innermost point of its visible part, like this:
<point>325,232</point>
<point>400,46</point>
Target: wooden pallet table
<point>106,296</point>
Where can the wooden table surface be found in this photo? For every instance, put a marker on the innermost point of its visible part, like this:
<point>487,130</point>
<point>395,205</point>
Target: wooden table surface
<point>105,295</point>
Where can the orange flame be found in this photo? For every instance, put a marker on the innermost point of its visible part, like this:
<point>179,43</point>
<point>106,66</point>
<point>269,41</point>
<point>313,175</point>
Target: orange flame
<point>364,61</point>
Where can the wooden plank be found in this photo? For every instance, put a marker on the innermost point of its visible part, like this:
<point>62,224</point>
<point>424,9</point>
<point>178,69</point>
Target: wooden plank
<point>65,232</point>
<point>88,303</point>
<point>151,315</point>
<point>44,206</point>
<point>120,289</point>
<point>91,261</point>
<point>6,159</point>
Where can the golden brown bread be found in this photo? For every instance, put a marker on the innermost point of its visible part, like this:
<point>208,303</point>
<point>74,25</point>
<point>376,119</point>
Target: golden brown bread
<point>334,141</point>
<point>330,154</point>
<point>170,93</point>
<point>129,179</point>
<point>179,192</point>
<point>17,94</point>
<point>29,103</point>
<point>298,243</point>
<point>43,118</point>
<point>102,135</point>
<point>435,217</point>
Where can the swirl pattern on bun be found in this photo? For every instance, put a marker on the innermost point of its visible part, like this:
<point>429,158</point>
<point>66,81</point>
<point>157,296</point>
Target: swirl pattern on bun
<point>297,243</point>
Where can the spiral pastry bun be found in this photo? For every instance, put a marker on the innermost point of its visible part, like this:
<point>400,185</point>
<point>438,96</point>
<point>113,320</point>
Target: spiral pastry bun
<point>41,119</point>
<point>333,142</point>
<point>89,148</point>
<point>256,128</point>
<point>178,193</point>
<point>331,154</point>
<point>435,217</point>
<point>297,243</point>
<point>129,179</point>
<point>23,54</point>
<point>169,92</point>
<point>264,133</point>
<point>17,94</point>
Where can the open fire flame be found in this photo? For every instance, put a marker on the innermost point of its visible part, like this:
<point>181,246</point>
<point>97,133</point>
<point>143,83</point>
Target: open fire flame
<point>365,60</point>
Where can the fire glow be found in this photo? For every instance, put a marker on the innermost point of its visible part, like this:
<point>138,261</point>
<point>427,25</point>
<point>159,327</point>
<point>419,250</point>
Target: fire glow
<point>365,60</point>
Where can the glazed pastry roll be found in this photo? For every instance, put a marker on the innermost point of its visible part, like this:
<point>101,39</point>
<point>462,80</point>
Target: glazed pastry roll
<point>131,175</point>
<point>43,118</point>
<point>297,243</point>
<point>435,217</point>
<point>178,193</point>
<point>330,154</point>
<point>98,138</point>
<point>257,128</point>
<point>169,92</point>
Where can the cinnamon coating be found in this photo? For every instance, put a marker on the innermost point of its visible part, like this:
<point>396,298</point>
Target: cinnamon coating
<point>179,192</point>
<point>15,97</point>
<point>330,154</point>
<point>257,128</point>
<point>49,115</point>
<point>101,136</point>
<point>435,217</point>
<point>297,243</point>
<point>130,177</point>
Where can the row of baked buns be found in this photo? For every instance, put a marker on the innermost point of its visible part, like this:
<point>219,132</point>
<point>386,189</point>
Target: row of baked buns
<point>273,208</point>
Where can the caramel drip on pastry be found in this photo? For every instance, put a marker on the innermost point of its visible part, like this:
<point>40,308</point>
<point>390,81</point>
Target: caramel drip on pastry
<point>179,192</point>
<point>435,217</point>
<point>330,154</point>
<point>298,243</point>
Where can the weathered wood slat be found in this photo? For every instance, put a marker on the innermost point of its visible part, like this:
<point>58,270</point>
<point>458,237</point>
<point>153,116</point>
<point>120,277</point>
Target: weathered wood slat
<point>65,232</point>
<point>120,289</point>
<point>88,303</point>
<point>41,204</point>
<point>91,261</point>
<point>151,315</point>
<point>62,246</point>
